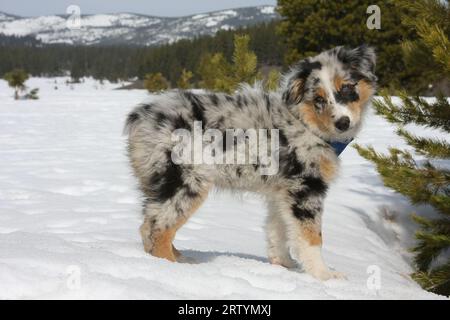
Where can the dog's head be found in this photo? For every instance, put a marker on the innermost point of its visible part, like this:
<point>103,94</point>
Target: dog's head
<point>330,91</point>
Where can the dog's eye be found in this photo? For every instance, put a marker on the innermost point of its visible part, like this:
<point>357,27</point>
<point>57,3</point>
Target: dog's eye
<point>319,101</point>
<point>348,89</point>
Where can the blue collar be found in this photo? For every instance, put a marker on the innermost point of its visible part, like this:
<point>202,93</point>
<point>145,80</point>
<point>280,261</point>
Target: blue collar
<point>339,147</point>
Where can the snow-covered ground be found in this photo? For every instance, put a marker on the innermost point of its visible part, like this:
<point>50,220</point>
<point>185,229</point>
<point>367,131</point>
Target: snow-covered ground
<point>70,212</point>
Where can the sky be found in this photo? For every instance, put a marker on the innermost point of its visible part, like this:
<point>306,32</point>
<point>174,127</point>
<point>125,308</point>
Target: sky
<point>169,8</point>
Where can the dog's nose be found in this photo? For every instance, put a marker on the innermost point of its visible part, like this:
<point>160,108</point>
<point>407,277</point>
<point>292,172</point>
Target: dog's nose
<point>343,123</point>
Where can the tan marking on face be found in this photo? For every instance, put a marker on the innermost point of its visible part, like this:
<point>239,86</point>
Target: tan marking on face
<point>312,234</point>
<point>328,169</point>
<point>322,121</point>
<point>338,82</point>
<point>365,93</point>
<point>321,92</point>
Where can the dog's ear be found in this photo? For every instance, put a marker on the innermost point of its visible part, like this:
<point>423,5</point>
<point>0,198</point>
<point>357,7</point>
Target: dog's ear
<point>294,82</point>
<point>361,61</point>
<point>293,92</point>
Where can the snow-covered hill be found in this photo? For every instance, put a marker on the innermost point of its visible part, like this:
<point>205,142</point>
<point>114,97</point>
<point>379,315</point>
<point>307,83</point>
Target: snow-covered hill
<point>7,17</point>
<point>128,28</point>
<point>70,213</point>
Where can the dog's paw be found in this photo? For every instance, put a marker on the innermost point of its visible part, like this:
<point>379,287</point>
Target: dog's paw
<point>287,263</point>
<point>326,274</point>
<point>188,260</point>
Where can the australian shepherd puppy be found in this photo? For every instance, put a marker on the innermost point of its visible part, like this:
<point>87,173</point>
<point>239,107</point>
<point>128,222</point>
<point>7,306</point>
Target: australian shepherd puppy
<point>321,101</point>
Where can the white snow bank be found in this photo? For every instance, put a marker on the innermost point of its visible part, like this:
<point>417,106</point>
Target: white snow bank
<point>70,212</point>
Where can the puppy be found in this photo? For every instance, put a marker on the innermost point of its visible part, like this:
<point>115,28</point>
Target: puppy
<point>321,101</point>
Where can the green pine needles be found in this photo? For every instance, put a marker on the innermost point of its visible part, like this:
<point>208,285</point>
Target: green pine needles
<point>423,182</point>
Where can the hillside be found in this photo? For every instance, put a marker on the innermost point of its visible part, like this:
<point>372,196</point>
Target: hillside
<point>130,28</point>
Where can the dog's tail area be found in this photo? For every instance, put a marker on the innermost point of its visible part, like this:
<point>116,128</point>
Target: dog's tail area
<point>132,122</point>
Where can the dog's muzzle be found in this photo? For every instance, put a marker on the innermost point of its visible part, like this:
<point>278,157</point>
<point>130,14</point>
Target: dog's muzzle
<point>343,124</point>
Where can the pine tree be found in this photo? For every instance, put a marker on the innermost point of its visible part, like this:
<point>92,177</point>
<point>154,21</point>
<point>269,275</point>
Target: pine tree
<point>273,80</point>
<point>431,20</point>
<point>185,79</point>
<point>423,183</point>
<point>311,26</point>
<point>155,82</point>
<point>16,80</point>
<point>245,62</point>
<point>76,70</point>
<point>217,73</point>
<point>214,71</point>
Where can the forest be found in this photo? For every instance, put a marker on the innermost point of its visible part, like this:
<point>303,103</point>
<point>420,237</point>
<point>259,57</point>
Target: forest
<point>278,44</point>
<point>126,62</point>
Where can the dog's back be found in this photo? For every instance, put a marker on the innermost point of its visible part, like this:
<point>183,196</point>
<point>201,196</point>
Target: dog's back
<point>151,126</point>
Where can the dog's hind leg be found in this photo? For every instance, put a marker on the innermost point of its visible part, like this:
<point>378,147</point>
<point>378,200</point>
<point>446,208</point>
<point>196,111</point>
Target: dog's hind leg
<point>161,223</point>
<point>157,239</point>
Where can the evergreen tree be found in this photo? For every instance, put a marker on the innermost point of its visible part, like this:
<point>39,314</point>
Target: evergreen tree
<point>16,80</point>
<point>214,72</point>
<point>423,183</point>
<point>273,80</point>
<point>155,82</point>
<point>185,80</point>
<point>431,22</point>
<point>245,62</point>
<point>77,71</point>
<point>123,62</point>
<point>218,74</point>
<point>311,26</point>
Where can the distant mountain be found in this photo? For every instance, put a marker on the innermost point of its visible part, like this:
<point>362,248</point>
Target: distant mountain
<point>7,17</point>
<point>129,28</point>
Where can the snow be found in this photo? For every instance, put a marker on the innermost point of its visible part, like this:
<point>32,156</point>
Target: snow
<point>131,28</point>
<point>70,213</point>
<point>48,24</point>
<point>268,10</point>
<point>27,26</point>
<point>230,13</point>
<point>122,19</point>
<point>199,16</point>
<point>226,27</point>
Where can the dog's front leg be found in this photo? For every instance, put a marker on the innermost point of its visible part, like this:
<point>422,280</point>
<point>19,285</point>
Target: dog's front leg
<point>277,247</point>
<point>304,235</point>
